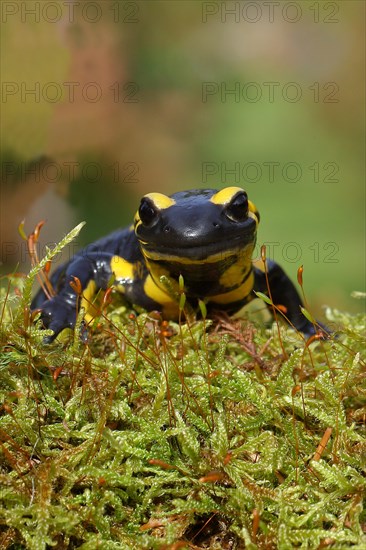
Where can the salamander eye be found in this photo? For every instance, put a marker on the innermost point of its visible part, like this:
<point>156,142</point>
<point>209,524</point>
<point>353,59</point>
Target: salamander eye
<point>237,209</point>
<point>148,212</point>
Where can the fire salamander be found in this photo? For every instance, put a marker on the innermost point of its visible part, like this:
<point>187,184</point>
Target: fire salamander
<point>204,235</point>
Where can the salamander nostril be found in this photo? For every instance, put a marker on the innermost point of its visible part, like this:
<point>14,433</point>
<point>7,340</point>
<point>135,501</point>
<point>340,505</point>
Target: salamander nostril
<point>215,224</point>
<point>167,229</point>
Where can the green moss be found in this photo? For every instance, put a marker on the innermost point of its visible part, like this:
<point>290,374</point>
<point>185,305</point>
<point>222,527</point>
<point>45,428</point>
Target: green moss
<point>159,435</point>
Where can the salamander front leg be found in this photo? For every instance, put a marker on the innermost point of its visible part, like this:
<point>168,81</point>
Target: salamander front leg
<point>59,312</point>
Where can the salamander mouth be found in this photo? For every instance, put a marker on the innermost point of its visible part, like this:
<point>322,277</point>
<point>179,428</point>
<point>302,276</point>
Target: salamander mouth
<point>189,250</point>
<point>203,253</point>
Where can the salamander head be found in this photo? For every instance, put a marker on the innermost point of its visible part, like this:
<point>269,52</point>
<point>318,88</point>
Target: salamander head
<point>199,234</point>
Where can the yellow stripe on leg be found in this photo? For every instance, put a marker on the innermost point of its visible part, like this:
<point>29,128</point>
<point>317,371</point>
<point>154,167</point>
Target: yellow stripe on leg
<point>87,301</point>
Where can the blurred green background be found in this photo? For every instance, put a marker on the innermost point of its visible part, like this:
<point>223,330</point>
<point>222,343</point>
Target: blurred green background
<point>105,101</point>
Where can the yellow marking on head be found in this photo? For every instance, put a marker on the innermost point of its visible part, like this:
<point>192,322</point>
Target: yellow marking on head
<point>225,195</point>
<point>234,295</point>
<point>253,211</point>
<point>160,201</point>
<point>122,269</point>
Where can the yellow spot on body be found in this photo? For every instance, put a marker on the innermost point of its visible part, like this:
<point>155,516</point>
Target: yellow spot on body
<point>225,195</point>
<point>169,306</point>
<point>236,272</point>
<point>237,294</point>
<point>233,275</point>
<point>157,271</point>
<point>153,291</point>
<point>122,269</point>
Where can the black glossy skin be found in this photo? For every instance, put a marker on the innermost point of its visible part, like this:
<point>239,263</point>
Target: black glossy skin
<point>204,235</point>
